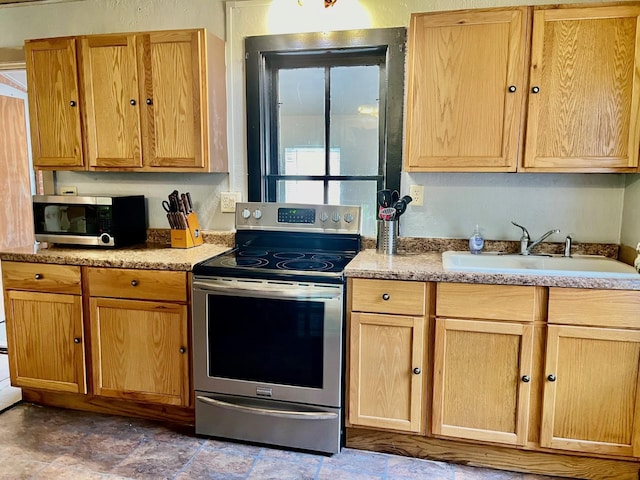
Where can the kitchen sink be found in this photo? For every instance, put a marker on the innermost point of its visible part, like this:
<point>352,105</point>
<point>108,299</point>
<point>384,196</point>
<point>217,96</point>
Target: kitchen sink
<point>575,266</point>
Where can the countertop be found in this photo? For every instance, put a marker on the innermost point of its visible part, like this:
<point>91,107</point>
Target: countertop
<point>428,267</point>
<point>147,256</point>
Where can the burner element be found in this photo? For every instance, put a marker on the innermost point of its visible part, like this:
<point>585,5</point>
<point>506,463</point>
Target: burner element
<point>304,265</point>
<point>289,255</point>
<point>246,262</point>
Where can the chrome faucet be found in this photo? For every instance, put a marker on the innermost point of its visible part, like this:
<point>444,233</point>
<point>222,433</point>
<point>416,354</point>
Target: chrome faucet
<point>526,245</point>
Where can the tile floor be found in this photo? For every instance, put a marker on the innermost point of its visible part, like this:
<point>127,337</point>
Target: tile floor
<point>44,443</point>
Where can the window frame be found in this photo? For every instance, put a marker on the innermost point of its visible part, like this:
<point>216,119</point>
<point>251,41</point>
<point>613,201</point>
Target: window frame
<point>264,53</point>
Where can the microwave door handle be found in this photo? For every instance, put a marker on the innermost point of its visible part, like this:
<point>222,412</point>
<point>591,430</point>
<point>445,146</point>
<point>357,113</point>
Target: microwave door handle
<point>300,293</point>
<point>268,411</point>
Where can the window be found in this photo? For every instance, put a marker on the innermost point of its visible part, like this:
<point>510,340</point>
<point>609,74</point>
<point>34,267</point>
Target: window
<point>324,117</point>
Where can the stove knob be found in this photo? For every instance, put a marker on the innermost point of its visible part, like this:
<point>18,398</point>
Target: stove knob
<point>348,217</point>
<point>324,216</point>
<point>335,217</point>
<point>246,213</point>
<point>257,214</point>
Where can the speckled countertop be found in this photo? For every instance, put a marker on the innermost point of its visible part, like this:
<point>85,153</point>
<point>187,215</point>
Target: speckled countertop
<point>428,267</point>
<point>154,255</point>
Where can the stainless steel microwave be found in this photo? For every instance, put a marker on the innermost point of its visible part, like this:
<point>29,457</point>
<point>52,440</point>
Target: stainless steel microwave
<point>100,221</point>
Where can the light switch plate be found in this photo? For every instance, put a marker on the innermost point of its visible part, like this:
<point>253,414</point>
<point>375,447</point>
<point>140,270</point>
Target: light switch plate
<point>228,201</point>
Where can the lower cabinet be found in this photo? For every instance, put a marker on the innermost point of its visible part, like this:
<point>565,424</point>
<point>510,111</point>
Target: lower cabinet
<point>139,350</point>
<point>482,370</point>
<point>44,324</point>
<point>139,340</point>
<point>387,354</point>
<point>591,390</point>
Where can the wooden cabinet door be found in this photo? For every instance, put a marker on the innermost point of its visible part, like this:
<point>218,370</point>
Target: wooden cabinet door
<point>111,95</point>
<point>139,350</point>
<point>45,340</point>
<point>54,103</point>
<point>173,114</point>
<point>585,115</point>
<point>466,90</point>
<point>481,380</point>
<point>591,399</point>
<point>387,369</point>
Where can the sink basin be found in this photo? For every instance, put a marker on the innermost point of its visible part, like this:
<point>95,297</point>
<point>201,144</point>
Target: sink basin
<point>576,266</point>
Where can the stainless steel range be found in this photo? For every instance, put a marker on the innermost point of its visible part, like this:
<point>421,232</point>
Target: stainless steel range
<point>268,327</point>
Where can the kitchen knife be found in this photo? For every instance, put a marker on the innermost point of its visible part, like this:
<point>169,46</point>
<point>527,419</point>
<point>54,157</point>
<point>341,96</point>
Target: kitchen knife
<point>189,202</point>
<point>185,203</point>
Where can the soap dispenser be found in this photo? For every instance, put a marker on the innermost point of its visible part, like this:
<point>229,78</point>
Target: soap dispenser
<point>476,242</point>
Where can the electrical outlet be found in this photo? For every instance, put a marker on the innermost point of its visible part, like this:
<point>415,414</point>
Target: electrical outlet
<point>228,201</point>
<point>68,190</point>
<point>416,192</point>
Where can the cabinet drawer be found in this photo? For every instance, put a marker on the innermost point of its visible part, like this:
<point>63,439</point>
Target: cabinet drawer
<point>388,296</point>
<point>138,284</point>
<point>605,308</point>
<point>41,277</point>
<point>492,302</point>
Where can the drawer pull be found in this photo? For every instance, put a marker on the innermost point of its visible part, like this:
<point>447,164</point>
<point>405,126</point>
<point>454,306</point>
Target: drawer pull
<point>134,283</point>
<point>386,296</point>
<point>38,276</point>
<point>551,378</point>
<point>417,371</point>
<point>76,340</point>
<point>183,350</point>
<point>526,378</point>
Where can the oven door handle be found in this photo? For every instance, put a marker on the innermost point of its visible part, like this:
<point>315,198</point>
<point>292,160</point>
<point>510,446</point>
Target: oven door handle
<point>298,292</point>
<point>268,411</point>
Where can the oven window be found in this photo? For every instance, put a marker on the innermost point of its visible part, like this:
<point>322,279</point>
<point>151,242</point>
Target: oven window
<point>266,340</point>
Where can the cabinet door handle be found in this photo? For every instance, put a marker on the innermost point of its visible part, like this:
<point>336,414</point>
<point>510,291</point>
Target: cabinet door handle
<point>551,378</point>
<point>132,101</point>
<point>72,103</point>
<point>183,350</point>
<point>38,276</point>
<point>149,101</point>
<point>417,371</point>
<point>526,379</point>
<point>134,283</point>
<point>76,340</point>
<point>386,296</point>
<point>535,89</point>
<point>512,88</point>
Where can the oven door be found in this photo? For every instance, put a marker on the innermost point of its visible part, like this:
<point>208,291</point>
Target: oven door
<point>268,339</point>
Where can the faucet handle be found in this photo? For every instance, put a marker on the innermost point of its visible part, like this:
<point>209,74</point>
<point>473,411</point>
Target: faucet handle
<point>525,232</point>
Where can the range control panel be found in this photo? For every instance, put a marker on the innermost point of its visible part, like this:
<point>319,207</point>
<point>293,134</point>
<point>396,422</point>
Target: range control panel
<point>294,217</point>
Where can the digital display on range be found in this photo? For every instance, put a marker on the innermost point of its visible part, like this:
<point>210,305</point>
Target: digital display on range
<point>296,215</point>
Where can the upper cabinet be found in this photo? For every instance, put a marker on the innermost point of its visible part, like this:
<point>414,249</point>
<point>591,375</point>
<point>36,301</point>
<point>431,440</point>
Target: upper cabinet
<point>471,106</point>
<point>54,104</point>
<point>465,91</point>
<point>150,101</point>
<point>584,86</point>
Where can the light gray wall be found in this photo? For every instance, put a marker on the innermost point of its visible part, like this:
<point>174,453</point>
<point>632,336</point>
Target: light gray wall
<point>589,206</point>
<point>630,234</point>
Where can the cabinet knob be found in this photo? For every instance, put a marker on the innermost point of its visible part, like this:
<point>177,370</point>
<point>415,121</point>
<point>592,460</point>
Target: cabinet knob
<point>551,378</point>
<point>72,103</point>
<point>526,379</point>
<point>535,89</point>
<point>417,371</point>
<point>76,340</point>
<point>134,283</point>
<point>132,101</point>
<point>386,296</point>
<point>512,88</point>
<point>149,101</point>
<point>38,276</point>
<point>183,350</point>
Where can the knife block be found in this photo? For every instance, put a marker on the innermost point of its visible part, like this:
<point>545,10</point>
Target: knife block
<point>191,237</point>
